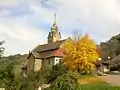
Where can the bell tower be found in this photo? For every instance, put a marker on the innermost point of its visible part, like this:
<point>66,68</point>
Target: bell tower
<point>54,35</point>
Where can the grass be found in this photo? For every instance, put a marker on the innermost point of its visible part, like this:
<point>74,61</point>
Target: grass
<point>94,83</point>
<point>97,85</point>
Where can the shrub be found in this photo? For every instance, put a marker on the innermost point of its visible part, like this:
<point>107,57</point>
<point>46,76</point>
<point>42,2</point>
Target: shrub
<point>66,81</point>
<point>56,71</point>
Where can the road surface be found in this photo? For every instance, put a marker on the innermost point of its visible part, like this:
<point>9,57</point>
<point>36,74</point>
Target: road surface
<point>114,80</point>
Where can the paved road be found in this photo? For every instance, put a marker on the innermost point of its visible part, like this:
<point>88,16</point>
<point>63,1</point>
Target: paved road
<point>111,79</point>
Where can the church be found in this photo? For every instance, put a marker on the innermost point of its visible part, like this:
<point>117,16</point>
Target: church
<point>47,54</point>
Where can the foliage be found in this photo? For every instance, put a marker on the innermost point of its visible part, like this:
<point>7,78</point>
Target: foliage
<point>6,77</point>
<point>12,65</point>
<point>1,48</point>
<point>9,77</point>
<point>10,70</point>
<point>40,76</point>
<point>67,81</point>
<point>17,73</point>
<point>15,59</point>
<point>23,83</point>
<point>111,47</point>
<point>56,71</point>
<point>93,85</point>
<point>36,79</point>
<point>80,55</point>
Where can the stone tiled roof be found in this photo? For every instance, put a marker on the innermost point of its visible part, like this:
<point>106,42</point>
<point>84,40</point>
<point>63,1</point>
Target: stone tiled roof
<point>35,54</point>
<point>48,47</point>
<point>47,54</point>
<point>48,50</point>
<point>55,53</point>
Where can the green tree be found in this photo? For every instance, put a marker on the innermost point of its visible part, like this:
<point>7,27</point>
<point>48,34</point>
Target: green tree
<point>36,79</point>
<point>10,77</point>
<point>111,47</point>
<point>7,77</point>
<point>1,48</point>
<point>16,72</point>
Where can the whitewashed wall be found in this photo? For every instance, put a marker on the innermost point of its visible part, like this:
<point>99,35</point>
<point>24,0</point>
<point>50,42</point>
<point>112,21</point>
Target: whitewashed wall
<point>56,60</point>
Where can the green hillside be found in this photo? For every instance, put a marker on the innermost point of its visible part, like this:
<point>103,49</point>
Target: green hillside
<point>111,47</point>
<point>17,59</point>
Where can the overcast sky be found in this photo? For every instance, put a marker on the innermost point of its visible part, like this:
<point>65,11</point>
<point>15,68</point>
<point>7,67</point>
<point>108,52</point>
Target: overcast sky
<point>26,23</point>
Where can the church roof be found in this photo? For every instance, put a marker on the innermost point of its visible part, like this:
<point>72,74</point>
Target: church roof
<point>56,53</point>
<point>48,47</point>
<point>48,54</point>
<point>48,50</point>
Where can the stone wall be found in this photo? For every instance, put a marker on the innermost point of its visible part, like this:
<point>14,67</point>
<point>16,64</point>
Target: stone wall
<point>38,64</point>
<point>31,64</point>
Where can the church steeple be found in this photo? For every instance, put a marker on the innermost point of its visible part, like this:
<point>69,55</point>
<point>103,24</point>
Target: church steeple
<point>54,35</point>
<point>54,19</point>
<point>54,26</point>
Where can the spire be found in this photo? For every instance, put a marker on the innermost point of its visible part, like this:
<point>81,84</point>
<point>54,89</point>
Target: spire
<point>54,26</point>
<point>54,19</point>
<point>54,35</point>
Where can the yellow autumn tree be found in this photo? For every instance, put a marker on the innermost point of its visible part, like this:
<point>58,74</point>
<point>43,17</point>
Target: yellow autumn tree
<point>80,55</point>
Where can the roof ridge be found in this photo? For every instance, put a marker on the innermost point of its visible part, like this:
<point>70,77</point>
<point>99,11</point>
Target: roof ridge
<point>35,48</point>
<point>52,42</point>
<point>50,46</point>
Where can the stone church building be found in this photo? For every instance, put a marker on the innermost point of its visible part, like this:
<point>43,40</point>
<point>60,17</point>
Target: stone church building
<point>47,54</point>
